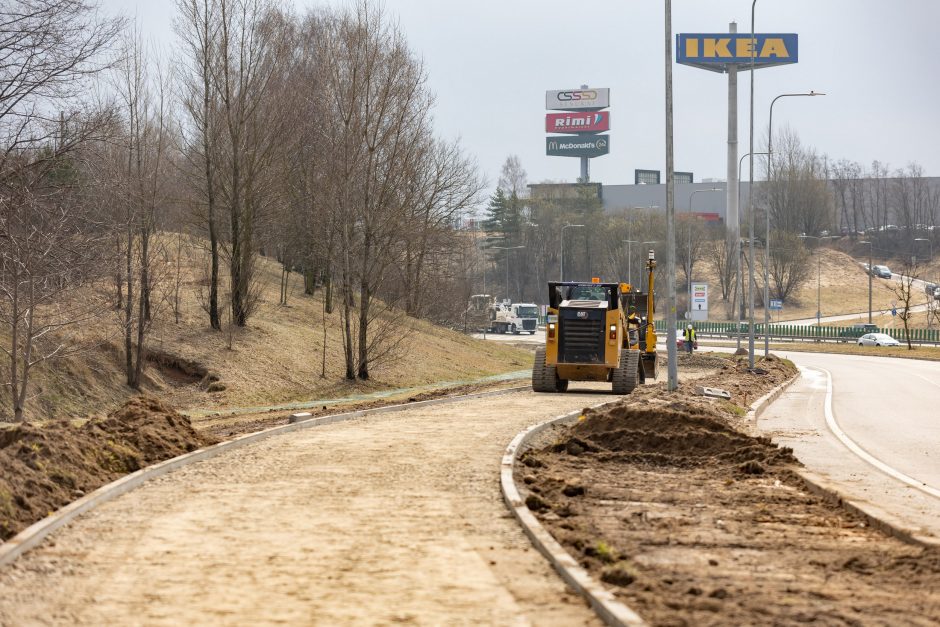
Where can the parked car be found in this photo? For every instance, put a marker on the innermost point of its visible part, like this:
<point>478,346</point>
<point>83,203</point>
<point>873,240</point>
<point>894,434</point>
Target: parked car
<point>883,272</point>
<point>930,288</point>
<point>877,339</point>
<point>858,330</point>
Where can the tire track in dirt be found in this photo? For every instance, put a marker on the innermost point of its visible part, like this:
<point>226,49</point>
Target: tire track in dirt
<point>391,518</point>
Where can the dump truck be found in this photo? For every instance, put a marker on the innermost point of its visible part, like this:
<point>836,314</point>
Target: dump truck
<point>597,332</point>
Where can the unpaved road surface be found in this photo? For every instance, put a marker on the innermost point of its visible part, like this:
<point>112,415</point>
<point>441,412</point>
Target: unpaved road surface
<point>693,522</point>
<point>386,519</point>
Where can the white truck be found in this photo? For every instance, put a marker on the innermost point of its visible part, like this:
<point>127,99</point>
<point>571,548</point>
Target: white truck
<point>509,317</point>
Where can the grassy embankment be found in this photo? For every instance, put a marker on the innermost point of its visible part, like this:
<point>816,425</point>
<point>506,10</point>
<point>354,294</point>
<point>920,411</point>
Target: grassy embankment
<point>276,359</point>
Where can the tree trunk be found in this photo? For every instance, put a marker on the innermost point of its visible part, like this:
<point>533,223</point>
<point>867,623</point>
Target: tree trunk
<point>129,312</point>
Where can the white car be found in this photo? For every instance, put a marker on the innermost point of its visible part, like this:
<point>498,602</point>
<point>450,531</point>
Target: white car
<point>877,339</point>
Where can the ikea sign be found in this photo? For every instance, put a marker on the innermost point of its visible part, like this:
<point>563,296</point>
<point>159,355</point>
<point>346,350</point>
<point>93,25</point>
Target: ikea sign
<point>719,50</point>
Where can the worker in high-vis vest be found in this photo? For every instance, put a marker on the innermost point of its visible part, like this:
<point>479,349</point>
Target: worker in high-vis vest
<point>689,337</point>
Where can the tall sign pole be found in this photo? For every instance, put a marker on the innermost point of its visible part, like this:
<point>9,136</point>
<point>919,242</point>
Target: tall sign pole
<point>729,52</point>
<point>671,350</point>
<point>732,217</point>
<point>585,172</point>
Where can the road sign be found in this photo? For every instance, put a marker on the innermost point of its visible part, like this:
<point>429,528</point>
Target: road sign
<point>776,304</point>
<point>699,301</point>
<point>584,146</point>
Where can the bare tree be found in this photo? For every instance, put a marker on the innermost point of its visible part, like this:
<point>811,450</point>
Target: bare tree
<point>144,142</point>
<point>197,26</point>
<point>905,292</point>
<point>797,193</point>
<point>513,178</point>
<point>789,265</point>
<point>51,49</point>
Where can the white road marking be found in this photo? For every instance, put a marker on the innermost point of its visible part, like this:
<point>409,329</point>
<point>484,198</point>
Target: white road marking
<point>920,376</point>
<point>865,455</point>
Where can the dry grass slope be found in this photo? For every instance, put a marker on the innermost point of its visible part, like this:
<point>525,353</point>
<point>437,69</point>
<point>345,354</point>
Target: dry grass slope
<point>276,358</point>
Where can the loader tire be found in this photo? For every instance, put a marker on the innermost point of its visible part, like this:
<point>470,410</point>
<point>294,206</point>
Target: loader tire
<point>625,376</point>
<point>544,377</point>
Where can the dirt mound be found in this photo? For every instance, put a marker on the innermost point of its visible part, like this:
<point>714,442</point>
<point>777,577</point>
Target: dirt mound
<point>698,361</point>
<point>44,467</point>
<point>679,435</point>
<point>690,521</point>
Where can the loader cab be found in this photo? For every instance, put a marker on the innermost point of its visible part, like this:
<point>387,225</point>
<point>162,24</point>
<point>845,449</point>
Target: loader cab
<point>607,293</point>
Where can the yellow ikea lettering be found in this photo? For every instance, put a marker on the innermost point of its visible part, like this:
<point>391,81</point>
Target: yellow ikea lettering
<point>691,47</point>
<point>717,47</point>
<point>743,47</point>
<point>774,46</point>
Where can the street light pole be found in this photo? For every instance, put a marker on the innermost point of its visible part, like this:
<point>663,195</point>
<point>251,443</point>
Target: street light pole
<point>770,151</point>
<point>869,278</point>
<point>507,249</point>
<point>738,275</point>
<point>819,272</point>
<point>561,273</point>
<point>630,260</point>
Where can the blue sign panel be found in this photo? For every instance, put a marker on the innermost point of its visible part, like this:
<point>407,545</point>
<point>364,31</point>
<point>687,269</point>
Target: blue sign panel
<point>775,304</point>
<point>716,51</point>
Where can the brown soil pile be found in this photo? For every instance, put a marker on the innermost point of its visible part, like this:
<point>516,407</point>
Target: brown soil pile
<point>44,467</point>
<point>680,435</point>
<point>692,522</point>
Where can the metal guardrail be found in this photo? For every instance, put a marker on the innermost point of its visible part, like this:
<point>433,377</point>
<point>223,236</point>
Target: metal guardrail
<point>803,333</point>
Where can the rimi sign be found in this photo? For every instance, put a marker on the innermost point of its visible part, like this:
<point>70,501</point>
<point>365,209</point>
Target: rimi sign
<point>577,122</point>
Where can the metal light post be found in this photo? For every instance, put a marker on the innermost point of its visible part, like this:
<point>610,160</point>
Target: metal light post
<point>561,273</point>
<point>630,260</point>
<point>819,272</point>
<point>507,249</point>
<point>770,161</point>
<point>869,278</point>
<point>483,250</point>
<point>929,244</point>
<point>739,278</point>
<point>689,265</point>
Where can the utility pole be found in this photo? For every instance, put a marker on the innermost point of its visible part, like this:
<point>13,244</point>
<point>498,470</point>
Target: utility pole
<point>673,380</point>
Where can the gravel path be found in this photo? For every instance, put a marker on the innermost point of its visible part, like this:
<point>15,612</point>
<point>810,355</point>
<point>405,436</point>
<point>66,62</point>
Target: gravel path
<point>387,519</point>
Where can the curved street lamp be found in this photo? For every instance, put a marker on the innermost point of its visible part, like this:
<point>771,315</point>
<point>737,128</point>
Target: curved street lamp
<point>561,273</point>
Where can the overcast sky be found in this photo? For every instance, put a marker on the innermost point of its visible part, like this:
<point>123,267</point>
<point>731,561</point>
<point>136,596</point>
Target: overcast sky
<point>490,62</point>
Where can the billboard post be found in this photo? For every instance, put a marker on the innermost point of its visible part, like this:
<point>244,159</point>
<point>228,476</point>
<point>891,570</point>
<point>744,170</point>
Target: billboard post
<point>727,53</point>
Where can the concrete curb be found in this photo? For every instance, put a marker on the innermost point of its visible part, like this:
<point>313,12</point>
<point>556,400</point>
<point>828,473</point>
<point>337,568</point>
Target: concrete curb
<point>602,601</point>
<point>758,406</point>
<point>33,535</point>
